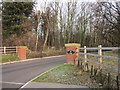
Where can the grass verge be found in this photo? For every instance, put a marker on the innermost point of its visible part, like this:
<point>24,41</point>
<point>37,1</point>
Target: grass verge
<point>30,55</point>
<point>67,74</point>
<point>37,54</point>
<point>9,58</point>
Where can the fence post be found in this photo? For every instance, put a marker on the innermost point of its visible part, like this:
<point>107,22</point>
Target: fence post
<point>85,56</point>
<point>108,80</point>
<point>85,51</point>
<point>95,71</point>
<point>100,53</point>
<point>77,56</point>
<point>78,64</point>
<point>4,50</point>
<point>91,70</point>
<point>16,49</point>
<point>117,80</point>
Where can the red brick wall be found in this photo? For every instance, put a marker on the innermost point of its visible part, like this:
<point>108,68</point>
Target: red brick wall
<point>21,53</point>
<point>70,57</point>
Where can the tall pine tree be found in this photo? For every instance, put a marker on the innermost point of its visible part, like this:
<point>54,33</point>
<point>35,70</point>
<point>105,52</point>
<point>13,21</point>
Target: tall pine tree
<point>14,14</point>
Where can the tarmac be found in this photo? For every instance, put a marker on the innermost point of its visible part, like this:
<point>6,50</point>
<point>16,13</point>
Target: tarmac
<point>53,85</point>
<point>38,85</point>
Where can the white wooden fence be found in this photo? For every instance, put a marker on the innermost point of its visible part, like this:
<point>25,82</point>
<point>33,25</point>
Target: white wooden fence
<point>107,79</point>
<point>99,55</point>
<point>8,50</point>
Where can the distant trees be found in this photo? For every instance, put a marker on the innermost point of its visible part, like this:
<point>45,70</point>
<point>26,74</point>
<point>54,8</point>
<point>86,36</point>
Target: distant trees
<point>108,23</point>
<point>112,17</point>
<point>87,23</point>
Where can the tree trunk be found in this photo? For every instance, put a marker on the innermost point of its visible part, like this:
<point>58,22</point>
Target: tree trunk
<point>46,38</point>
<point>37,37</point>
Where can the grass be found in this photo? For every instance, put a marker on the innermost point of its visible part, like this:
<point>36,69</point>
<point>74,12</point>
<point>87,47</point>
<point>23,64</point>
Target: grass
<point>32,54</point>
<point>37,54</point>
<point>67,74</point>
<point>110,62</point>
<point>110,53</point>
<point>9,58</point>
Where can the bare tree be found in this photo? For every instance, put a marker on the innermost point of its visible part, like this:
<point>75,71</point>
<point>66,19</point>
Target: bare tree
<point>37,16</point>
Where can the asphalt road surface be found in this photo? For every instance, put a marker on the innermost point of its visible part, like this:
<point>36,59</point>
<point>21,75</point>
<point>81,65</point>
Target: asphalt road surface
<point>17,74</point>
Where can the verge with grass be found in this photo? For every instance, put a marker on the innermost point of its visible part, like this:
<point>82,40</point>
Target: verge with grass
<point>9,58</point>
<point>33,54</point>
<point>38,54</point>
<point>67,74</point>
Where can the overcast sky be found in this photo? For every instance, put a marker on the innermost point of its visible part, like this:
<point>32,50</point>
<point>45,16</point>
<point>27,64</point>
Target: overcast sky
<point>40,3</point>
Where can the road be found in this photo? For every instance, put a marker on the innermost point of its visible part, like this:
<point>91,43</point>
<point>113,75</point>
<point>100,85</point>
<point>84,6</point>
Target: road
<point>17,74</point>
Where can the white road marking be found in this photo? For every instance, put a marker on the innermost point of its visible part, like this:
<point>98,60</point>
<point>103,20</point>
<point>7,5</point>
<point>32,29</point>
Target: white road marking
<point>37,77</point>
<point>12,83</point>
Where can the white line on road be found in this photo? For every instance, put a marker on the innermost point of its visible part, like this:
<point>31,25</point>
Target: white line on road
<point>37,77</point>
<point>12,83</point>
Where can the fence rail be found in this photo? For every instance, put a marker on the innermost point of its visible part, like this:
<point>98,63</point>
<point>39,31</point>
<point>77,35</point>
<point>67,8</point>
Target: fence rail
<point>103,48</point>
<point>99,55</point>
<point>100,63</point>
<point>109,57</point>
<point>105,65</point>
<point>8,50</point>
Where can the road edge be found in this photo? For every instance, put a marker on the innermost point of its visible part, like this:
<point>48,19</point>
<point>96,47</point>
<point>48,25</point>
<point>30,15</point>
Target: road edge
<point>38,76</point>
<point>31,59</point>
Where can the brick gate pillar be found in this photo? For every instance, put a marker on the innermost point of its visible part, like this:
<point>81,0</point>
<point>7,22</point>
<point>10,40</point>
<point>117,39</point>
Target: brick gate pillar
<point>21,52</point>
<point>71,52</point>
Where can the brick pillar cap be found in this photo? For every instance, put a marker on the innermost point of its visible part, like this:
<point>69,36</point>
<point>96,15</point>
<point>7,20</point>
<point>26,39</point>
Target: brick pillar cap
<point>21,46</point>
<point>72,45</point>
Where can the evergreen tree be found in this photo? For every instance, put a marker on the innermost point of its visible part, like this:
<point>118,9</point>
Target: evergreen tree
<point>14,15</point>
